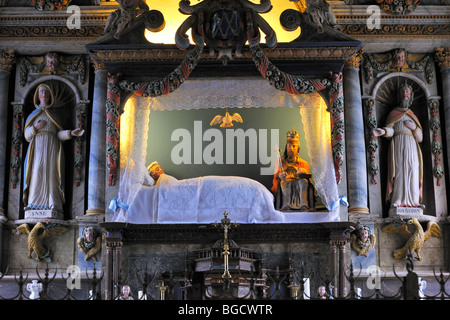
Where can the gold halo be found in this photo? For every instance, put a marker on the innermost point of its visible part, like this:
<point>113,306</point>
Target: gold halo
<point>36,96</point>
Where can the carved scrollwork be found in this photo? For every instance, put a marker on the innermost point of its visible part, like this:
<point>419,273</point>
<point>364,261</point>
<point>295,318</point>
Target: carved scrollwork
<point>52,63</point>
<point>7,60</point>
<point>397,60</point>
<point>225,27</point>
<point>443,57</point>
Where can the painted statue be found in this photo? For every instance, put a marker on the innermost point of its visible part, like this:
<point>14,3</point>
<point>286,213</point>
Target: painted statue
<point>52,62</point>
<point>405,167</point>
<point>292,184</point>
<point>322,293</point>
<point>90,243</point>
<point>122,18</point>
<point>155,170</point>
<point>321,14</point>
<point>43,163</point>
<point>34,288</point>
<point>126,293</point>
<point>363,241</point>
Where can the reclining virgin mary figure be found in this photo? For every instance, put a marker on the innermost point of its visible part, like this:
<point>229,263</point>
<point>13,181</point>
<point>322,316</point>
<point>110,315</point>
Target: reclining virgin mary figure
<point>165,199</point>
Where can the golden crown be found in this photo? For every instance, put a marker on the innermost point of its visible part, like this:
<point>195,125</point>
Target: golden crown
<point>292,134</point>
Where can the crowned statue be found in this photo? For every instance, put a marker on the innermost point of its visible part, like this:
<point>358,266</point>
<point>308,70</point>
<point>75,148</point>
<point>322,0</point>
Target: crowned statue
<point>43,195</point>
<point>292,185</point>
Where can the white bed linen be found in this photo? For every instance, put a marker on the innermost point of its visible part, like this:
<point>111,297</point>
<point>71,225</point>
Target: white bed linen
<point>205,199</point>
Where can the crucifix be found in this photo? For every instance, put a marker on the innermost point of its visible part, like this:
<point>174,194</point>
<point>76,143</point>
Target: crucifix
<point>226,225</point>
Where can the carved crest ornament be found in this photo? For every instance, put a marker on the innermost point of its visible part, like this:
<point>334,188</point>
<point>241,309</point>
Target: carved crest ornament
<point>224,26</point>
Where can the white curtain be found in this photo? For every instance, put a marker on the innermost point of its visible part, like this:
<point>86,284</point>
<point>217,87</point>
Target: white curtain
<point>133,145</point>
<point>222,93</point>
<point>317,128</point>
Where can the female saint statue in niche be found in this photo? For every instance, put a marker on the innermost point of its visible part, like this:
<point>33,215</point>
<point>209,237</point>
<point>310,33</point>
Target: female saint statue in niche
<point>405,167</point>
<point>43,176</point>
<point>292,184</point>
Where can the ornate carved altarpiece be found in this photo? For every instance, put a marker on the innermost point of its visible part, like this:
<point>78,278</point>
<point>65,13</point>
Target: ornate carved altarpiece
<point>311,64</point>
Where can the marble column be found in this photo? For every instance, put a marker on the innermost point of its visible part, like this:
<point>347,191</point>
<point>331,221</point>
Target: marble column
<point>97,156</point>
<point>443,60</point>
<point>355,138</point>
<point>7,59</point>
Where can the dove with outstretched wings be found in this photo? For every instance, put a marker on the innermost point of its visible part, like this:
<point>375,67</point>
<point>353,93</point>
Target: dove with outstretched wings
<point>226,120</point>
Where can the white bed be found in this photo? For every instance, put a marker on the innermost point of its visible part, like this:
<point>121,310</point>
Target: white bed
<point>205,199</point>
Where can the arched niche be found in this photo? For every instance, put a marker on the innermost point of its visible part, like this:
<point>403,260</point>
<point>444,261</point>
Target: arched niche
<point>383,98</point>
<point>67,108</point>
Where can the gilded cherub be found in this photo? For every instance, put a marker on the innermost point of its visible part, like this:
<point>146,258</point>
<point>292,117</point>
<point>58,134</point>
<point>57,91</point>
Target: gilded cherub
<point>363,241</point>
<point>90,244</point>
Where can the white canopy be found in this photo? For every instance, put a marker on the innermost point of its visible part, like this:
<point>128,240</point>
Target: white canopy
<point>222,93</point>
